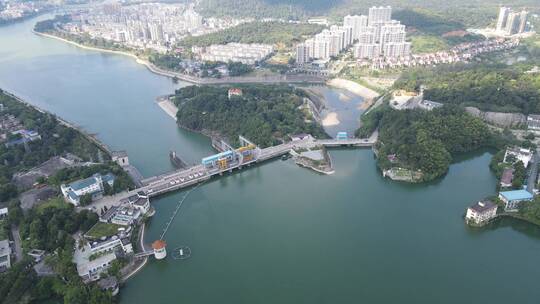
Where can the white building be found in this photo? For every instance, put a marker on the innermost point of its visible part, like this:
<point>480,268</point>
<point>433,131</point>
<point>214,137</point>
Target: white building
<point>356,23</point>
<point>501,20</point>
<point>382,36</point>
<point>93,185</point>
<point>515,154</point>
<point>237,52</point>
<point>91,270</point>
<point>5,255</point>
<point>481,212</point>
<point>379,15</point>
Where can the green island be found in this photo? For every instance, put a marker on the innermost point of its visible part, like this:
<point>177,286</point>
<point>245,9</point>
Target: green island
<point>264,113</point>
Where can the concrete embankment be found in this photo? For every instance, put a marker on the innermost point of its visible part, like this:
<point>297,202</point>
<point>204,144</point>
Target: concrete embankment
<point>168,106</point>
<point>354,88</point>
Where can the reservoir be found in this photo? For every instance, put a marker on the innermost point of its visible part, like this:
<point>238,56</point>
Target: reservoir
<point>277,233</point>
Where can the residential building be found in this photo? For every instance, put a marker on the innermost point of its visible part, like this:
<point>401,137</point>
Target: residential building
<point>234,92</point>
<point>94,185</point>
<point>512,199</point>
<point>303,51</point>
<point>481,212</point>
<point>5,255</point>
<point>515,154</point>
<point>379,15</point>
<point>356,23</point>
<point>506,177</point>
<point>510,22</point>
<point>367,50</point>
<point>501,20</point>
<point>237,52</point>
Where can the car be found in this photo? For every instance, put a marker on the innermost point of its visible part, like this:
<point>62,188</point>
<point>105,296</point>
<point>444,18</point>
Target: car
<point>172,183</point>
<point>150,191</point>
<point>190,177</point>
<point>181,179</point>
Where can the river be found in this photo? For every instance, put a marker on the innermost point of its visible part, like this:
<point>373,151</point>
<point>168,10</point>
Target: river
<point>277,233</point>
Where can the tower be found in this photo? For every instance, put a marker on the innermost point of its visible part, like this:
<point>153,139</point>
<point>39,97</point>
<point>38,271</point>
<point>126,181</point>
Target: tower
<point>159,249</point>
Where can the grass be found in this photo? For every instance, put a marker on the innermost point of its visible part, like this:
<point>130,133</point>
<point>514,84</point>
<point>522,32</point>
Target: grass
<point>100,230</point>
<point>57,202</point>
<point>428,44</point>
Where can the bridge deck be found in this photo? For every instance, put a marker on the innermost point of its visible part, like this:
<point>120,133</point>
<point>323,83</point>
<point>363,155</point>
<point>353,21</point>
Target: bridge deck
<point>183,178</point>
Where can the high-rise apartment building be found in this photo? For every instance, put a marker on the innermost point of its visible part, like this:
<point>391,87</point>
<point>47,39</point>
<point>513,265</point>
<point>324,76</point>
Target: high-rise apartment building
<point>510,22</point>
<point>379,15</point>
<point>501,21</point>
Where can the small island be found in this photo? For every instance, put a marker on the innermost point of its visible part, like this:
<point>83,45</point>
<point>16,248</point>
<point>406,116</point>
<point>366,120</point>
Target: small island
<point>316,159</point>
<point>267,114</point>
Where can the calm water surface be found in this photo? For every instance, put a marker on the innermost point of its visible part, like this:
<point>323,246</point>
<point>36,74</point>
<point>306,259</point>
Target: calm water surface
<point>277,233</point>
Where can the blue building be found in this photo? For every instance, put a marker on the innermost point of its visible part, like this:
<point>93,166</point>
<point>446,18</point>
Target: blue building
<point>513,198</point>
<point>342,136</point>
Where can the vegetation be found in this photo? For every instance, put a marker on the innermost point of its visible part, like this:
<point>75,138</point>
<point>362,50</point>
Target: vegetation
<point>427,140</point>
<point>122,180</point>
<point>101,229</point>
<point>530,211</point>
<point>488,87</point>
<point>56,139</point>
<point>256,32</point>
<point>265,113</point>
<point>50,228</point>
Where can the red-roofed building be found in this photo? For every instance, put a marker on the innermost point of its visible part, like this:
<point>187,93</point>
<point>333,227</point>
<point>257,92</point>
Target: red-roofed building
<point>235,92</point>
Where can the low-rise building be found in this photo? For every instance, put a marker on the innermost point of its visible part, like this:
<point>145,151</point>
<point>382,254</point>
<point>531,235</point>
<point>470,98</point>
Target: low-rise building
<point>234,92</point>
<point>237,52</point>
<point>90,270</point>
<point>120,157</point>
<point>5,255</point>
<point>93,185</point>
<point>512,199</point>
<point>533,122</point>
<point>515,154</point>
<point>3,212</point>
<point>481,212</point>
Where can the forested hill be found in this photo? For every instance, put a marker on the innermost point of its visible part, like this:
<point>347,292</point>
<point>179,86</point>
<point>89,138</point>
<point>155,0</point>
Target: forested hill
<point>266,114</point>
<point>496,88</point>
<point>256,32</point>
<point>428,140</point>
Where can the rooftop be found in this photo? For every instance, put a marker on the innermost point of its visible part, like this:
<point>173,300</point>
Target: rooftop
<point>515,195</point>
<point>4,248</point>
<point>483,206</point>
<point>159,244</point>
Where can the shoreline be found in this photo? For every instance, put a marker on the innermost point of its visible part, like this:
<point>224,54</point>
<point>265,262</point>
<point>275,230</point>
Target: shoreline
<point>193,79</point>
<point>355,88</point>
<point>169,107</point>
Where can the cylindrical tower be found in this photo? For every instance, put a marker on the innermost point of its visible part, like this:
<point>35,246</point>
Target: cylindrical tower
<point>159,249</point>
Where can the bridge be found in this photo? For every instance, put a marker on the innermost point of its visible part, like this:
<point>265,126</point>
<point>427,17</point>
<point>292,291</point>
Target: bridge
<point>183,178</point>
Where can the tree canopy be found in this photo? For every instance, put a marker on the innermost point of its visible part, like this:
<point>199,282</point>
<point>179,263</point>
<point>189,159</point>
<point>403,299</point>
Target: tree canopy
<point>265,113</point>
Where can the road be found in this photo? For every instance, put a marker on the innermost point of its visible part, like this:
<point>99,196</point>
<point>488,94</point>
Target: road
<point>533,173</point>
<point>17,241</point>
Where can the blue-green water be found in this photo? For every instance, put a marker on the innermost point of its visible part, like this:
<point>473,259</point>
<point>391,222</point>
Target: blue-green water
<point>277,233</point>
